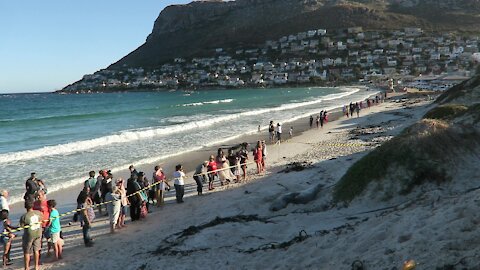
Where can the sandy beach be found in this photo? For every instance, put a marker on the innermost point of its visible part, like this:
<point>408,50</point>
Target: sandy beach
<point>250,225</point>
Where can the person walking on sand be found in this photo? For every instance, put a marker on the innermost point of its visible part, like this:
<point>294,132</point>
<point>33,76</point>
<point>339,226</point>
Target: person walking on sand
<point>32,235</point>
<point>357,109</point>
<point>258,157</point>
<point>200,176</point>
<point>290,133</point>
<point>179,183</point>
<point>54,229</point>
<point>317,121</point>
<point>311,121</point>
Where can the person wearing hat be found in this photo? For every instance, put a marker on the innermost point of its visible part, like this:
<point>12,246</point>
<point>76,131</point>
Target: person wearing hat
<point>200,176</point>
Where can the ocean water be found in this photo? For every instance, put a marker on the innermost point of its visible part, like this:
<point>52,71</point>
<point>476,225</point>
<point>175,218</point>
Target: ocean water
<point>62,137</point>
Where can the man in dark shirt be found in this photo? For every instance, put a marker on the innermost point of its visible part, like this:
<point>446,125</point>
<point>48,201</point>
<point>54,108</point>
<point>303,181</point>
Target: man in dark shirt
<point>31,188</point>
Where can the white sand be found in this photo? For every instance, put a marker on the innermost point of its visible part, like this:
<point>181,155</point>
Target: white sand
<point>432,231</point>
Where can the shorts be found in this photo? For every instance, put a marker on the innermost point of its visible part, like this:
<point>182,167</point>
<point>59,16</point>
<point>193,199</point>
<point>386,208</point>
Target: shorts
<point>54,237</point>
<point>31,244</point>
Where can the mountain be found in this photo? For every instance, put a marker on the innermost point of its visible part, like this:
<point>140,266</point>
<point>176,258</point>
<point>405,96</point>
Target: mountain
<point>199,27</point>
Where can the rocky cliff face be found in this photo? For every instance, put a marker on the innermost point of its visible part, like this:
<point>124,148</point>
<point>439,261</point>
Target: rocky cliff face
<point>198,27</point>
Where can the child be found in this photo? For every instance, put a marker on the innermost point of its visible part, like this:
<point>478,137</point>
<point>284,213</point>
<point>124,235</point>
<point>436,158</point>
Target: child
<point>290,132</point>
<point>6,237</point>
<point>54,229</point>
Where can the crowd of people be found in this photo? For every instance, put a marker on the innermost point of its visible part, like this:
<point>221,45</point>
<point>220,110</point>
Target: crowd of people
<point>135,196</point>
<point>350,109</point>
<point>41,223</point>
<point>320,119</point>
<point>115,198</point>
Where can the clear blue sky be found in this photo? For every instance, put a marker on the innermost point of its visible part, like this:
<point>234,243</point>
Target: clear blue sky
<point>46,45</point>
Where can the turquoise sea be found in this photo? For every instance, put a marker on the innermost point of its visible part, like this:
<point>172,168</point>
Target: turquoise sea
<point>62,137</point>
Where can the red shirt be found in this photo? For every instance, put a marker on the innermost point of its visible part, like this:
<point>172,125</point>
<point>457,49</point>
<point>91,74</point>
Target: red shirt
<point>42,207</point>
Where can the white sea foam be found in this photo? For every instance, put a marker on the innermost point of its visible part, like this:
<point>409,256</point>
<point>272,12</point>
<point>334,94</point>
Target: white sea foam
<point>228,100</point>
<point>147,133</point>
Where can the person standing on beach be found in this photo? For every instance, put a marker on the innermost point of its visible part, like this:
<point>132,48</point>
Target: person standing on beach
<point>317,121</point>
<point>41,205</point>
<point>322,119</point>
<point>258,157</point>
<point>212,167</point>
<point>124,203</point>
<point>352,109</point>
<point>271,131</point>
<point>143,182</point>
<point>179,183</point>
<point>345,110</point>
<point>114,196</point>
<point>31,188</point>
<point>3,200</point>
<point>264,152</point>
<point>279,133</point>
<point>32,235</point>
<point>200,176</point>
<point>225,174</point>
<point>243,154</point>
<point>133,171</point>
<point>7,236</point>
<point>232,160</point>
<point>357,109</point>
<point>87,215</point>
<point>135,198</point>
<point>311,121</point>
<point>55,229</point>
<point>94,186</point>
<point>161,180</point>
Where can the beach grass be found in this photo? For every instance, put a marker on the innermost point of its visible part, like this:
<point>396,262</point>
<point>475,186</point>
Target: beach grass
<point>420,154</point>
<point>445,112</point>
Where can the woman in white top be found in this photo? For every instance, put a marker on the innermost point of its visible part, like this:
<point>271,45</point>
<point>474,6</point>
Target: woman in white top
<point>179,175</point>
<point>3,200</point>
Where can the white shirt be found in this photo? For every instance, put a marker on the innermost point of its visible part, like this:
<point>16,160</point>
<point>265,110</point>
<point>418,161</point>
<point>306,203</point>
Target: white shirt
<point>4,204</point>
<point>179,175</point>
<point>279,129</point>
